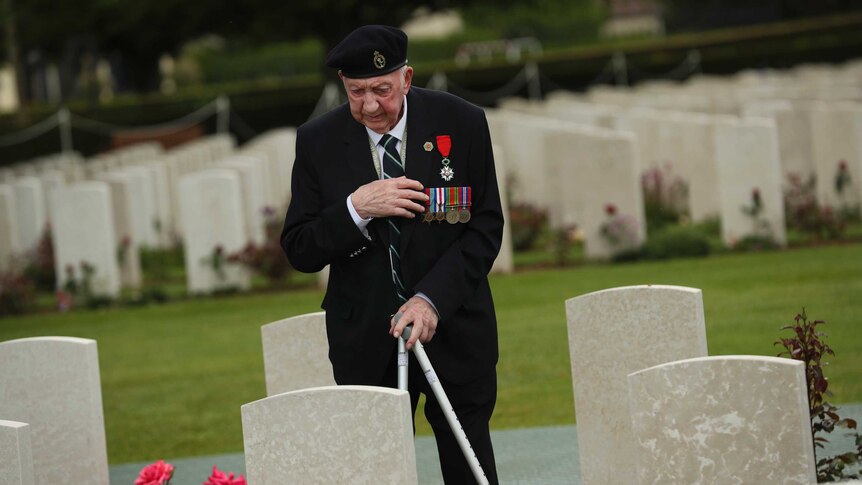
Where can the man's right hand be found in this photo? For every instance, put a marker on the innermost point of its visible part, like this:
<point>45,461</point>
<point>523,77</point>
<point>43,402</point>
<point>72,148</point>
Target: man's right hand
<point>389,197</point>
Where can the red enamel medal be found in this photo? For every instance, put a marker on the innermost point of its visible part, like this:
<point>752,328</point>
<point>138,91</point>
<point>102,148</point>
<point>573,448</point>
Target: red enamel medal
<point>444,145</point>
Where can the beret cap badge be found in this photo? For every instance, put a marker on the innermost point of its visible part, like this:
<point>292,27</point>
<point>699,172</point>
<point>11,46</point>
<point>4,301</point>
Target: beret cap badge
<point>379,60</point>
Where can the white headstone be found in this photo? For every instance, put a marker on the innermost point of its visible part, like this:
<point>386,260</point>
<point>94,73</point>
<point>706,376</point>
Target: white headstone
<point>84,232</point>
<point>594,174</point>
<point>279,145</point>
<point>729,419</point>
<point>251,170</point>
<point>51,181</point>
<point>8,226</point>
<point>30,207</point>
<point>522,138</point>
<point>139,195</point>
<point>53,384</point>
<point>689,148</point>
<point>339,434</point>
<point>214,227</point>
<point>613,333</point>
<point>163,205</point>
<point>794,135</point>
<point>505,262</point>
<point>128,247</point>
<point>746,151</point>
<point>16,457</point>
<point>296,354</point>
<point>837,138</point>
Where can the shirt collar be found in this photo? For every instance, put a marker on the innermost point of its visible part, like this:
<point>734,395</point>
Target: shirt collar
<point>397,132</point>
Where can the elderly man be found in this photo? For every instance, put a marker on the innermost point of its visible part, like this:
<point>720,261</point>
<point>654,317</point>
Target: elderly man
<point>396,191</point>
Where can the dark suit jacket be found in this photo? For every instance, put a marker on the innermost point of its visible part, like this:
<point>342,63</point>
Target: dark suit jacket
<point>447,262</point>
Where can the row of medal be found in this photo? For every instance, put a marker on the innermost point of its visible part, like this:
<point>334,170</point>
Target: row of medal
<point>451,204</point>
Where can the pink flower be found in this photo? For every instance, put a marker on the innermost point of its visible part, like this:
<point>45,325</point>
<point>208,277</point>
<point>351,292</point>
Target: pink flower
<point>842,165</point>
<point>158,473</point>
<point>220,478</point>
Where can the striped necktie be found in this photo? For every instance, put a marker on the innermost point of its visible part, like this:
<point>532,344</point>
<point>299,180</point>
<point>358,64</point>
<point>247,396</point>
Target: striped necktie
<point>393,167</point>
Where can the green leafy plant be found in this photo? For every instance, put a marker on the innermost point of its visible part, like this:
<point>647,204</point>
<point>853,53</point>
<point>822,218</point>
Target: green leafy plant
<point>677,242</point>
<point>40,262</point>
<point>266,259</point>
<point>808,345</point>
<point>620,231</point>
<point>804,214</point>
<point>17,292</point>
<point>527,223</point>
<point>665,197</point>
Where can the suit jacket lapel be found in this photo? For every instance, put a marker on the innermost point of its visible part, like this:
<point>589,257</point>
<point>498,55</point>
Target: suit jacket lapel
<point>419,161</point>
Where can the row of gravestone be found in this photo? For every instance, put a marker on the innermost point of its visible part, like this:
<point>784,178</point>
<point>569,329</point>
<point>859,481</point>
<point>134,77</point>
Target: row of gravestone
<point>104,210</point>
<point>733,168</point>
<point>650,406</point>
<point>129,202</point>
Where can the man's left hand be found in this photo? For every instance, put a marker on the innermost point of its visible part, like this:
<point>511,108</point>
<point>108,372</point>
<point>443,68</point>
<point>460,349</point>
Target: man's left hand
<point>421,314</point>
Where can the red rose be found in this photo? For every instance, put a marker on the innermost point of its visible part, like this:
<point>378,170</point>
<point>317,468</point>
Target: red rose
<point>158,473</point>
<point>220,478</point>
<point>610,209</point>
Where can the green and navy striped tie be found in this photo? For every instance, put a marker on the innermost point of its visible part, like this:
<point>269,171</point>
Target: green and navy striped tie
<point>393,167</point>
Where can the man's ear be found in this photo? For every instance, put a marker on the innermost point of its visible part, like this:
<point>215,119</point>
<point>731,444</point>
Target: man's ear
<point>340,75</point>
<point>408,79</point>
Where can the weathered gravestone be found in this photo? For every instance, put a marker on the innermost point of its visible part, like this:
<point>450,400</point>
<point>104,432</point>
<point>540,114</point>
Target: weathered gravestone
<point>613,333</point>
<point>16,458</point>
<point>522,138</point>
<point>254,187</point>
<point>717,420</point>
<point>749,180</point>
<point>793,123</point>
<point>162,193</point>
<point>8,226</point>
<point>296,354</point>
<point>53,384</point>
<point>128,246</point>
<point>339,434</point>
<point>504,262</point>
<point>51,180</point>
<point>84,233</point>
<point>837,144</point>
<point>595,177</point>
<point>146,228</point>
<point>279,146</point>
<point>214,228</point>
<point>30,211</point>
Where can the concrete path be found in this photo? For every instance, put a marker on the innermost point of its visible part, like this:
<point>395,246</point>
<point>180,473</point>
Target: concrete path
<point>529,456</point>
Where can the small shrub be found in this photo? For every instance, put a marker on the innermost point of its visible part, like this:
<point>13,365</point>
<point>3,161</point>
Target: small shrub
<point>665,197</point>
<point>527,222</point>
<point>805,215</point>
<point>267,259</point>
<point>808,345</point>
<point>677,242</point>
<point>40,263</point>
<point>755,243</point>
<point>79,289</point>
<point>17,293</point>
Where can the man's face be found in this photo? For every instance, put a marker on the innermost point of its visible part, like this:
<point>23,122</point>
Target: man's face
<point>376,101</point>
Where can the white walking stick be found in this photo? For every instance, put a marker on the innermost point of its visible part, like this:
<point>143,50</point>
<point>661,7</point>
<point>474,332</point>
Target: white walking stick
<point>440,394</point>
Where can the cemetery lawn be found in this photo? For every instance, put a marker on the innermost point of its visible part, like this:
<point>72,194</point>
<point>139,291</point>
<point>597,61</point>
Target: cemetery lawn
<point>174,376</point>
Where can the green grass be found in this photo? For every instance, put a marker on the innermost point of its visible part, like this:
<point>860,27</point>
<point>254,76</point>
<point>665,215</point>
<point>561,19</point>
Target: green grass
<point>174,376</point>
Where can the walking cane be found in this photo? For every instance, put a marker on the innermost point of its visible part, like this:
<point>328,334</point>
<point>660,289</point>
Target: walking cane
<point>440,394</point>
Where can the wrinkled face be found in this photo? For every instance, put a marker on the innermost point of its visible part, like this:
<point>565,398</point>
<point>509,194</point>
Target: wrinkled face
<point>376,101</point>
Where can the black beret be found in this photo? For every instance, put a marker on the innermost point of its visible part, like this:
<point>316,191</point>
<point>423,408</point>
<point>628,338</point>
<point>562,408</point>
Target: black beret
<point>370,50</point>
